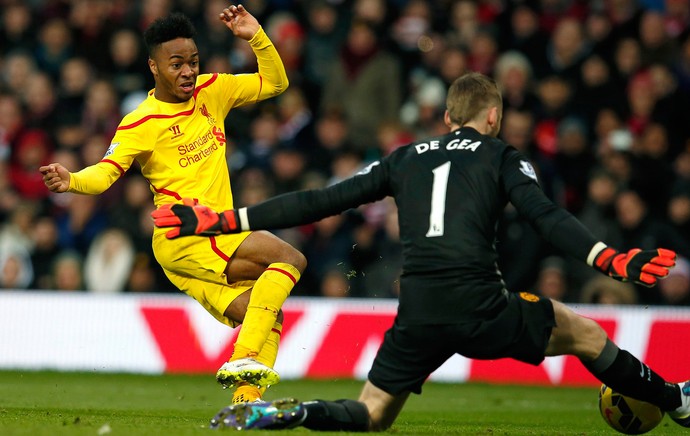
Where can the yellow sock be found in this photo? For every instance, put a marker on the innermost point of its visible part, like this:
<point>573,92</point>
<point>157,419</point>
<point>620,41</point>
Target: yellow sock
<point>268,295</point>
<point>246,393</point>
<point>269,352</point>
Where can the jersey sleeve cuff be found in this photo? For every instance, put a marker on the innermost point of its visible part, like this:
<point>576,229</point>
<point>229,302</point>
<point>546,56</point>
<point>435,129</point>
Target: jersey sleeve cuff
<point>244,220</point>
<point>594,252</point>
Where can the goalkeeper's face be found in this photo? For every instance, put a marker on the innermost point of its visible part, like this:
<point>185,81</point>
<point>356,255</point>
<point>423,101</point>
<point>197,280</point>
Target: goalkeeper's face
<point>175,67</point>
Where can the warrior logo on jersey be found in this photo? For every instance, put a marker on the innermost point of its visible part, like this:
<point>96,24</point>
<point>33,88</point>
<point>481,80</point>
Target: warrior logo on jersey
<point>111,149</point>
<point>204,111</point>
<point>527,169</point>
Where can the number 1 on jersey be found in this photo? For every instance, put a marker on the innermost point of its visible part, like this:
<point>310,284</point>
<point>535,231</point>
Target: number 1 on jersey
<point>438,200</point>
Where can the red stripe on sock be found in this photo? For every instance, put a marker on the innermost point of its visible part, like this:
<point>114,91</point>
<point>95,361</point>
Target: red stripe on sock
<point>294,280</point>
<point>277,331</point>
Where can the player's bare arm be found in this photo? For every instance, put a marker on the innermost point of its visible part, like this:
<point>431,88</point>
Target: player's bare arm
<point>240,22</point>
<point>55,177</point>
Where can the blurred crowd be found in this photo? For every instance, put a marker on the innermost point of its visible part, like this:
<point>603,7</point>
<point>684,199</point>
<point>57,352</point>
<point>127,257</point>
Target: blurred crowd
<point>596,94</point>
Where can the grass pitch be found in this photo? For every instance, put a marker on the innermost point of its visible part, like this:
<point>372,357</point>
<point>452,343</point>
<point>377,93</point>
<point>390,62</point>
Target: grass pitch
<point>51,403</point>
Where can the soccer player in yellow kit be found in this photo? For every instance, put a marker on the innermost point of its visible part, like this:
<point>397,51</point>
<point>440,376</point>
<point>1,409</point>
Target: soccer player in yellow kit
<point>178,138</point>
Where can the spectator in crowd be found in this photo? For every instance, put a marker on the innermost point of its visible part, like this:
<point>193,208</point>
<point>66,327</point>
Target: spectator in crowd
<point>641,228</point>
<point>45,251</point>
<point>656,45</point>
<point>16,31</point>
<point>40,102</point>
<point>76,76</point>
<point>93,30</point>
<point>675,291</point>
<point>597,89</point>
<point>552,281</point>
<point>513,74</point>
<point>679,209</point>
<point>681,65</point>
<point>101,110</point>
<point>33,149</point>
<point>84,219</point>
<point>110,255</point>
<point>464,22</point>
<point>526,35</point>
<point>288,34</point>
<point>573,153</point>
<point>15,233</point>
<point>296,118</point>
<point>601,290</point>
<point>566,50</point>
<point>287,168</point>
<point>627,60</point>
<point>68,272</point>
<point>128,70</point>
<point>12,125</point>
<point>329,140</point>
<point>55,46</point>
<point>18,67</point>
<point>16,271</point>
<point>364,69</point>
<point>325,33</point>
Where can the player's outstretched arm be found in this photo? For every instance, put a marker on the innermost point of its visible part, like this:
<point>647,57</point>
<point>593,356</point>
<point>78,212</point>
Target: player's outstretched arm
<point>284,211</point>
<point>644,267</point>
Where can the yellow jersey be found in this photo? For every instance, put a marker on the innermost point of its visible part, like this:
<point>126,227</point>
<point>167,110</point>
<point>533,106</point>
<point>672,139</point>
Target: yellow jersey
<point>181,147</point>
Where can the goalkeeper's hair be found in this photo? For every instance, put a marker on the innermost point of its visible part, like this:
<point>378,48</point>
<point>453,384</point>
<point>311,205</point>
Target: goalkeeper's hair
<point>470,95</point>
<point>164,29</point>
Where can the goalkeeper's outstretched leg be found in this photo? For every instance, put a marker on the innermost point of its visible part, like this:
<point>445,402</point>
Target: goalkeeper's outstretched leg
<point>616,368</point>
<point>376,410</point>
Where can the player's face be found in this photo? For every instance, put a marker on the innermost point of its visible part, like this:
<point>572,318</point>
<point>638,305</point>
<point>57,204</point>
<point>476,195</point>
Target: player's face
<point>175,66</point>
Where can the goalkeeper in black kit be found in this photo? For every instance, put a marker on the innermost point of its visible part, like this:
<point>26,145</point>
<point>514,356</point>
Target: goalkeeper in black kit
<point>450,191</point>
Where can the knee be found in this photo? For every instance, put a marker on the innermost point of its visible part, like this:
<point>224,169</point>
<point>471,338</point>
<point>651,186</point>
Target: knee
<point>279,317</point>
<point>297,259</point>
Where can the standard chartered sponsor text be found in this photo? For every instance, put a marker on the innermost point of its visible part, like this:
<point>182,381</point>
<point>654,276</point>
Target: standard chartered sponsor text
<point>196,150</point>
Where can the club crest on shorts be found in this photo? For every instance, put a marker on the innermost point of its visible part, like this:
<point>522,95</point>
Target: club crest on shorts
<point>527,296</point>
<point>527,169</point>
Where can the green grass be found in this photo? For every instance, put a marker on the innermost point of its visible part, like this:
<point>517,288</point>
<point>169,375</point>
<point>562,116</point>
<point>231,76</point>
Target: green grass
<point>50,403</point>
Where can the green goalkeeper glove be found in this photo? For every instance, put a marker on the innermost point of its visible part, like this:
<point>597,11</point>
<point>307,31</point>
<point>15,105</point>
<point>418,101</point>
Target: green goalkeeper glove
<point>191,218</point>
<point>644,267</point>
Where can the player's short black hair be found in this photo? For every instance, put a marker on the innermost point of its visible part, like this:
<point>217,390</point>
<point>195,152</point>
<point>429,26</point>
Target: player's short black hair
<point>164,29</point>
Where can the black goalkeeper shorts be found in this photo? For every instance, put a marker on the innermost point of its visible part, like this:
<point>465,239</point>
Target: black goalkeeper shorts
<point>410,353</point>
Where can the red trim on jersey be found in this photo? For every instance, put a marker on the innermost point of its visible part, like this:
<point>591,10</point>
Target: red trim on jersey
<point>205,84</point>
<point>215,248</point>
<point>166,192</point>
<point>122,171</point>
<point>179,114</point>
<point>290,276</point>
<point>150,117</point>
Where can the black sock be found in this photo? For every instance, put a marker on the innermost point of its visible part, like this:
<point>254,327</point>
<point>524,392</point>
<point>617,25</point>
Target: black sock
<point>340,415</point>
<point>627,375</point>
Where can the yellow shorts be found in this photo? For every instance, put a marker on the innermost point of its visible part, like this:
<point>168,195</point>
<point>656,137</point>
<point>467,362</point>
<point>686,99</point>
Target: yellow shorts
<point>196,265</point>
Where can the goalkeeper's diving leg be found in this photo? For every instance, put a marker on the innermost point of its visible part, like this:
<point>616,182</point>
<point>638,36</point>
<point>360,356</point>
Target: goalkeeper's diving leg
<point>616,368</point>
<point>376,410</point>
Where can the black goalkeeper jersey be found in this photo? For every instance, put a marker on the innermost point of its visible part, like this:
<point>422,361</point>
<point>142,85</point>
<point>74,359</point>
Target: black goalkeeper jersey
<point>450,192</point>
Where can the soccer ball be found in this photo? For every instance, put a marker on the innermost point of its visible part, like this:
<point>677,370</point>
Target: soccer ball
<point>626,414</point>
